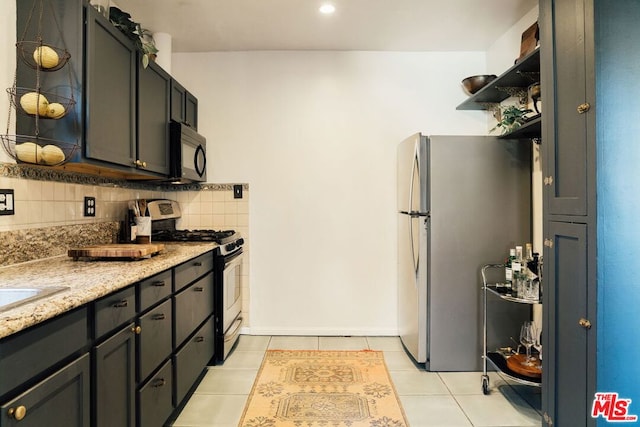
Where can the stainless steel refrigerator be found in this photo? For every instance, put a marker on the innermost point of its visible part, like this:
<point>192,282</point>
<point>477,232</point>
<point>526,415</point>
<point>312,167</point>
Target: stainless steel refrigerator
<point>463,201</point>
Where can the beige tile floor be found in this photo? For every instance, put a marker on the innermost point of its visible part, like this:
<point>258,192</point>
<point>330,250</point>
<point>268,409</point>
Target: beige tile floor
<point>429,399</point>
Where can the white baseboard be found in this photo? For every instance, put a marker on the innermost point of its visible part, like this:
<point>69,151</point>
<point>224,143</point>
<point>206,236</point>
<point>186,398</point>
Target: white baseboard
<point>322,332</point>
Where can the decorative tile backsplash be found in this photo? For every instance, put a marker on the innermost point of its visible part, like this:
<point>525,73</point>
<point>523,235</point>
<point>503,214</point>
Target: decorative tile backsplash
<point>49,217</point>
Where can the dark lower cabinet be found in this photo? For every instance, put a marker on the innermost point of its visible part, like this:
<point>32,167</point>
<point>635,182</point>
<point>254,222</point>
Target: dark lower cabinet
<point>61,400</point>
<point>192,306</point>
<point>154,398</point>
<point>569,367</point>
<point>113,362</point>
<point>154,339</point>
<point>114,396</point>
<point>192,358</point>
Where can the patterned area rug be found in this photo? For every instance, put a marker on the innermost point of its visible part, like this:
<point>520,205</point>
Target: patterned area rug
<point>324,389</point>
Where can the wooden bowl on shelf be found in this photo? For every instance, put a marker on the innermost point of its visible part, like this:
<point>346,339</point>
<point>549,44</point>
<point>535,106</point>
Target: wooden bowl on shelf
<point>473,84</point>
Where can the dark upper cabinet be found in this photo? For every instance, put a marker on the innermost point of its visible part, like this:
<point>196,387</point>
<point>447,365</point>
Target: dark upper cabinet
<point>60,400</point>
<point>110,93</point>
<point>154,96</point>
<point>184,106</point>
<point>567,91</point>
<point>120,119</point>
<point>191,110</point>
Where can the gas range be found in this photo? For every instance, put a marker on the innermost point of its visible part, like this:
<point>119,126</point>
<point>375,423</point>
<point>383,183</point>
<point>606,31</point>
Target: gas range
<point>229,240</point>
<point>164,214</point>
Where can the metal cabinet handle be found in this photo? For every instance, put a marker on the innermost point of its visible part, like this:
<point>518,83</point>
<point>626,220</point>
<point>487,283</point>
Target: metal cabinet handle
<point>198,289</point>
<point>583,108</point>
<point>159,382</point>
<point>17,413</point>
<point>121,304</point>
<point>198,264</point>
<point>159,316</point>
<point>584,323</point>
<point>140,163</point>
<point>136,330</point>
<point>158,283</point>
<point>199,339</point>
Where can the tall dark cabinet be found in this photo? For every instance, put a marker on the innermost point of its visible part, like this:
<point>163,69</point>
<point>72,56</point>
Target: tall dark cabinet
<point>569,335</point>
<point>590,60</point>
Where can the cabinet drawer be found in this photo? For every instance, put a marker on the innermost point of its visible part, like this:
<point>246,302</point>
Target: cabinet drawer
<point>61,400</point>
<point>193,305</point>
<point>154,339</point>
<point>192,359</point>
<point>154,289</point>
<point>155,398</point>
<point>114,310</point>
<point>26,354</point>
<point>191,270</point>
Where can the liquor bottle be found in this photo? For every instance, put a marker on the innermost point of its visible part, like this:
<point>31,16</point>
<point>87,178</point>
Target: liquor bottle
<point>519,253</point>
<point>508,270</point>
<point>517,285</point>
<point>528,252</point>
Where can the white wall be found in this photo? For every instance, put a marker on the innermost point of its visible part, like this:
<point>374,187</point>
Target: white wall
<point>315,134</point>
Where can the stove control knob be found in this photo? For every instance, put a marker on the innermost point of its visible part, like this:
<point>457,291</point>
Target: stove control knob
<point>230,246</point>
<point>240,242</point>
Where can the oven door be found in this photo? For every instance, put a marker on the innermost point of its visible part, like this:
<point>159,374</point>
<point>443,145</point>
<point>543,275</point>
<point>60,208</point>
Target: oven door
<point>232,292</point>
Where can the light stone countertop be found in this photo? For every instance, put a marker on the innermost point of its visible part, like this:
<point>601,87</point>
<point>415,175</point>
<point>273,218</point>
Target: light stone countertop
<point>87,280</point>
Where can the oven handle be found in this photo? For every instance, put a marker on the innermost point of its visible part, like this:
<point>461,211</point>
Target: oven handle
<point>233,330</point>
<point>233,260</point>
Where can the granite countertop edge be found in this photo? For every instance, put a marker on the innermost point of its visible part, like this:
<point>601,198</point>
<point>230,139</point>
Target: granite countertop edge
<point>87,280</point>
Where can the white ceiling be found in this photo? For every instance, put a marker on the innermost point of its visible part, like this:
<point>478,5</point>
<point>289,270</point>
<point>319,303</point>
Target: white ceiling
<point>398,25</point>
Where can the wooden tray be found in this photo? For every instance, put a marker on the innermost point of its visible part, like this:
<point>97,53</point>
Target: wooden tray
<point>116,250</point>
<point>515,364</point>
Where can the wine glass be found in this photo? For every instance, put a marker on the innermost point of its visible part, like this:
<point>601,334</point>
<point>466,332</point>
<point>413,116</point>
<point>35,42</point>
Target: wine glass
<point>528,336</point>
<point>538,344</point>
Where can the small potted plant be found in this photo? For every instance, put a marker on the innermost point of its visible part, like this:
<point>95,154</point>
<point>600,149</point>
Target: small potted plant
<point>142,37</point>
<point>511,118</point>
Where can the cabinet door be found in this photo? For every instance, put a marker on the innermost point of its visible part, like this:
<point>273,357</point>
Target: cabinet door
<point>155,398</point>
<point>154,339</point>
<point>154,86</point>
<point>568,138</point>
<point>191,110</point>
<point>192,306</point>
<point>191,360</point>
<point>115,380</point>
<point>178,104</point>
<point>61,400</point>
<point>568,347</point>
<point>110,82</point>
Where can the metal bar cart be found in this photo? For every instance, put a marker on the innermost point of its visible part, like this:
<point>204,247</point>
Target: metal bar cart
<point>497,358</point>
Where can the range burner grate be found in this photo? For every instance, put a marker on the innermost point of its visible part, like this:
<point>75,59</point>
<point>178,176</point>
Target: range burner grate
<point>218,236</point>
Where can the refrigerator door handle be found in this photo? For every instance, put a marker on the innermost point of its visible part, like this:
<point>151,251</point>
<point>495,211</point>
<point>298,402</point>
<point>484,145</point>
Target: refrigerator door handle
<point>416,259</point>
<point>415,166</point>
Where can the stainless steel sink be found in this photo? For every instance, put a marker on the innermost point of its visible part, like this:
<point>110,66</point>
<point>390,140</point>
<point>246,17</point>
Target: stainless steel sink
<point>13,297</point>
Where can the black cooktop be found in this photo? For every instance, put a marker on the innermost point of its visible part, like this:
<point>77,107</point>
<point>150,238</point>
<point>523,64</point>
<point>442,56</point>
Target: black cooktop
<point>218,236</point>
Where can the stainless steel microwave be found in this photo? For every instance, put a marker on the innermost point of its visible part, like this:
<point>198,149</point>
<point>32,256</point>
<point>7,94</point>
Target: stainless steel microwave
<point>188,154</point>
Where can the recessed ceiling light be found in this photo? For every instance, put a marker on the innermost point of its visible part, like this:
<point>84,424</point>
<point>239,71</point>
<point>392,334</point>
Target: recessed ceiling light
<point>327,9</point>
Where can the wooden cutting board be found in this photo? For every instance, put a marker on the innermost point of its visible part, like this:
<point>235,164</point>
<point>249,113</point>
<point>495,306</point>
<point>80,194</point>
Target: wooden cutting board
<point>116,250</point>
